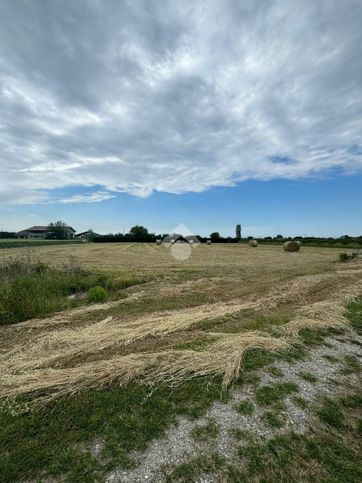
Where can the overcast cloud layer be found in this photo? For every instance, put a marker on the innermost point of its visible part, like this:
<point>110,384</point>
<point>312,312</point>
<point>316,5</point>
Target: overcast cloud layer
<point>175,96</point>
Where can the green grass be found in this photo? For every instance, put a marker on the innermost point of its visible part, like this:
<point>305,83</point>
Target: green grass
<point>15,243</point>
<point>295,353</point>
<point>330,358</point>
<point>245,407</point>
<point>197,344</point>
<point>275,372</point>
<point>29,288</point>
<point>51,440</point>
<point>274,394</point>
<point>359,426</point>
<point>240,434</point>
<point>205,433</point>
<point>244,320</point>
<point>190,471</point>
<point>353,401</point>
<point>354,313</point>
<point>312,337</point>
<point>274,419</point>
<point>300,402</point>
<point>308,376</point>
<point>351,365</point>
<point>257,359</point>
<point>321,454</point>
<point>330,413</point>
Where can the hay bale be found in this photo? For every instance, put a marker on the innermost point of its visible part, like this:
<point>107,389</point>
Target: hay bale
<point>208,242</point>
<point>253,243</point>
<point>158,241</point>
<point>291,246</point>
<point>299,243</point>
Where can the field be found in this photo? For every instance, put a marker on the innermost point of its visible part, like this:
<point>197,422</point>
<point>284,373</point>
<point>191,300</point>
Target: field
<point>26,242</point>
<point>174,375</point>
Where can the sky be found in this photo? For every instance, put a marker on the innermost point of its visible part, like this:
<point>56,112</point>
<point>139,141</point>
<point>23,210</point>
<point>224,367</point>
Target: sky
<point>206,113</point>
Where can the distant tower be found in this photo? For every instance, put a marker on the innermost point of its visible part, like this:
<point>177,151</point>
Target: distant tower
<point>238,232</point>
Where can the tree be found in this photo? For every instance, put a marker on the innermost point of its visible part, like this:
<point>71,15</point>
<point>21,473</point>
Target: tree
<point>238,232</point>
<point>139,233</point>
<point>215,236</point>
<point>57,230</point>
<point>90,236</point>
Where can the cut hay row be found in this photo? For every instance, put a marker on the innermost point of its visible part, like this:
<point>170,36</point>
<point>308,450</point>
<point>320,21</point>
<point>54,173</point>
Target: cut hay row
<point>27,369</point>
<point>173,367</point>
<point>65,343</point>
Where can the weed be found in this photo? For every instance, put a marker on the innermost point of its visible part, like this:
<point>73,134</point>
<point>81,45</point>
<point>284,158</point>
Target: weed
<point>97,294</point>
<point>344,257</point>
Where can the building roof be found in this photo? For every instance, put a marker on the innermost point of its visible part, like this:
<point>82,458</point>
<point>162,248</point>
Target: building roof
<point>86,232</point>
<point>43,229</point>
<point>37,228</point>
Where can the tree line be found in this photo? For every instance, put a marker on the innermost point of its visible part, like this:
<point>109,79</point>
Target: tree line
<point>139,233</point>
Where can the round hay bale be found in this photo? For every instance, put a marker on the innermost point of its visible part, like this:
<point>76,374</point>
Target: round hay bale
<point>291,246</point>
<point>158,241</point>
<point>208,242</point>
<point>253,243</point>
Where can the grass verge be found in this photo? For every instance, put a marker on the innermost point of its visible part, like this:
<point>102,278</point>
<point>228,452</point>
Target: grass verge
<point>29,288</point>
<point>126,419</point>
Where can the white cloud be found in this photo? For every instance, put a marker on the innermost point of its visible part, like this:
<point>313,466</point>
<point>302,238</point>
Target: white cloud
<point>176,96</point>
<point>88,197</point>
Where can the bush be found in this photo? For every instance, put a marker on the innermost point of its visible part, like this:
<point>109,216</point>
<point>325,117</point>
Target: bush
<point>30,288</point>
<point>344,257</point>
<point>97,294</point>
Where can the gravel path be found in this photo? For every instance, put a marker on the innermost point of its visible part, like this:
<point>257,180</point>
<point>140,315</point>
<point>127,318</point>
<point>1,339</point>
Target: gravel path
<point>178,444</point>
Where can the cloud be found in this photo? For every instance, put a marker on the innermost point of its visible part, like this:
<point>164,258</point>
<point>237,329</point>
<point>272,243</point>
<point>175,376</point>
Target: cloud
<point>175,96</point>
<point>88,197</point>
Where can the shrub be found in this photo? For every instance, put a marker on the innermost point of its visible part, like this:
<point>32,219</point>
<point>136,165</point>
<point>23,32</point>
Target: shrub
<point>29,288</point>
<point>97,294</point>
<point>343,257</point>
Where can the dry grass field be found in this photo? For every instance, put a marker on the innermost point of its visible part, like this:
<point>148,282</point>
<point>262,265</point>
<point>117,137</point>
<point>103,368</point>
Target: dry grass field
<point>225,298</point>
<point>192,319</point>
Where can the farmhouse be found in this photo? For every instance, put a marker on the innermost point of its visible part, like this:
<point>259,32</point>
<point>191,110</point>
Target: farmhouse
<point>43,232</point>
<point>86,234</point>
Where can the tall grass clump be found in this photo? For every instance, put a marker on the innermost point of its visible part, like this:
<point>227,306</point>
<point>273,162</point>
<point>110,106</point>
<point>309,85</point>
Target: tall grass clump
<point>29,288</point>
